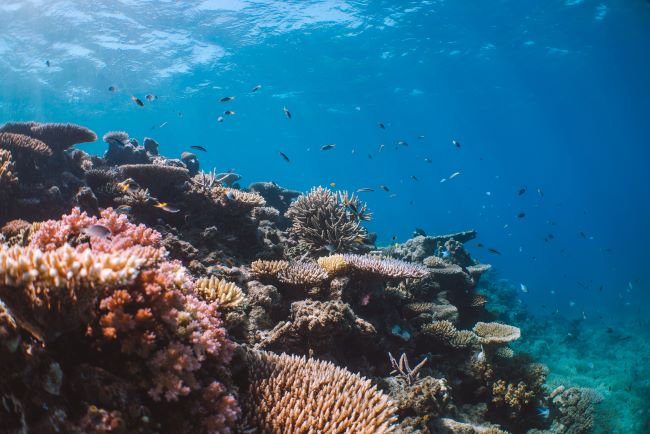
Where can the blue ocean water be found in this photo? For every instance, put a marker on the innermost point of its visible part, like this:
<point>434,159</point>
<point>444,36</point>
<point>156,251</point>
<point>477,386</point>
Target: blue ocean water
<point>549,97</point>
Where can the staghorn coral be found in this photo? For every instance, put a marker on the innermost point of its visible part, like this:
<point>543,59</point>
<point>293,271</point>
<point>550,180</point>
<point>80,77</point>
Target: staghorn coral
<point>60,137</point>
<point>322,222</point>
<point>268,269</point>
<point>154,175</point>
<point>7,177</point>
<point>445,333</point>
<point>204,182</point>
<point>289,394</point>
<point>576,406</point>
<point>19,144</point>
<point>494,333</point>
<point>302,274</point>
<point>333,264</point>
<point>384,267</point>
<point>226,294</point>
<point>55,291</point>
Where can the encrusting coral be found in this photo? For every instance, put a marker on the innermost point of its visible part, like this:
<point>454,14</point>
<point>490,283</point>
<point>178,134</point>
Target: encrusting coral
<point>226,294</point>
<point>289,394</point>
<point>322,222</point>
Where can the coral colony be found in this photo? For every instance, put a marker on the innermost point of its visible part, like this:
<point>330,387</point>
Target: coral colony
<point>141,294</point>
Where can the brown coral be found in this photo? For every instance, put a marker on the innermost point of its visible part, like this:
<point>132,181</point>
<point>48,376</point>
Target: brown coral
<point>289,394</point>
<point>385,267</point>
<point>494,333</point>
<point>445,333</point>
<point>236,199</point>
<point>151,175</point>
<point>226,294</point>
<point>62,136</point>
<point>262,268</point>
<point>8,178</point>
<point>21,144</point>
<point>320,221</point>
<point>302,273</point>
<point>513,396</point>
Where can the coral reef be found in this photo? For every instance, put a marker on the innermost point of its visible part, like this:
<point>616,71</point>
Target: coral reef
<point>290,394</point>
<point>226,294</point>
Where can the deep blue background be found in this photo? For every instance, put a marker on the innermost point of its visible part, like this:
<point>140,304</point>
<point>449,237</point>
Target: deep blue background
<point>540,94</point>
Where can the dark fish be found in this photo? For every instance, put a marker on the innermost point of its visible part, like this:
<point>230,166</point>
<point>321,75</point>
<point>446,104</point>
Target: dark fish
<point>456,143</point>
<point>256,88</point>
<point>540,192</point>
<point>522,191</point>
<point>420,231</point>
<point>137,100</point>
<point>229,113</point>
<point>112,88</point>
<point>521,215</point>
<point>495,251</point>
<point>128,185</point>
<point>370,156</point>
<point>394,238</point>
<point>151,97</point>
<point>414,178</point>
<point>328,147</point>
<point>167,207</point>
<point>283,155</point>
<point>382,126</point>
<point>286,112</point>
<point>365,190</point>
<point>47,62</point>
<point>428,160</point>
<point>227,99</point>
<point>402,142</point>
<point>551,236</point>
<point>99,231</point>
<point>582,234</point>
<point>199,148</point>
<point>479,245</point>
<point>383,187</point>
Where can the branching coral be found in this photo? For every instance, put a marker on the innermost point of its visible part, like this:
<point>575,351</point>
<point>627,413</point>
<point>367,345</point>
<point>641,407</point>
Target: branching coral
<point>21,144</point>
<point>384,267</point>
<point>226,294</point>
<point>55,291</point>
<point>513,396</point>
<point>8,179</point>
<point>333,264</point>
<point>289,394</point>
<point>577,407</point>
<point>62,136</point>
<point>322,222</point>
<point>268,269</point>
<point>302,274</point>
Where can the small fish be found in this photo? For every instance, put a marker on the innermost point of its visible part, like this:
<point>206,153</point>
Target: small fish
<point>369,156</point>
<point>47,62</point>
<point>151,97</point>
<point>256,88</point>
<point>383,187</point>
<point>332,184</point>
<point>220,119</point>
<point>365,190</point>
<point>402,143</point>
<point>414,178</point>
<point>99,231</point>
<point>495,251</point>
<point>227,99</point>
<point>428,160</point>
<point>167,207</point>
<point>364,217</point>
<point>123,209</point>
<point>112,88</point>
<point>446,254</point>
<point>286,112</point>
<point>456,143</point>
<point>162,125</point>
<point>331,248</point>
<point>522,191</point>
<point>551,236</point>
<point>229,113</point>
<point>521,215</point>
<point>479,245</point>
<point>128,185</point>
<point>420,137</point>
<point>230,195</point>
<point>199,148</point>
<point>137,100</point>
<point>524,288</point>
<point>572,303</point>
<point>582,234</point>
<point>394,237</point>
<point>443,180</point>
<point>453,175</point>
<point>540,192</point>
<point>283,155</point>
<point>381,147</point>
<point>420,231</point>
<point>328,147</point>
<point>381,125</point>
